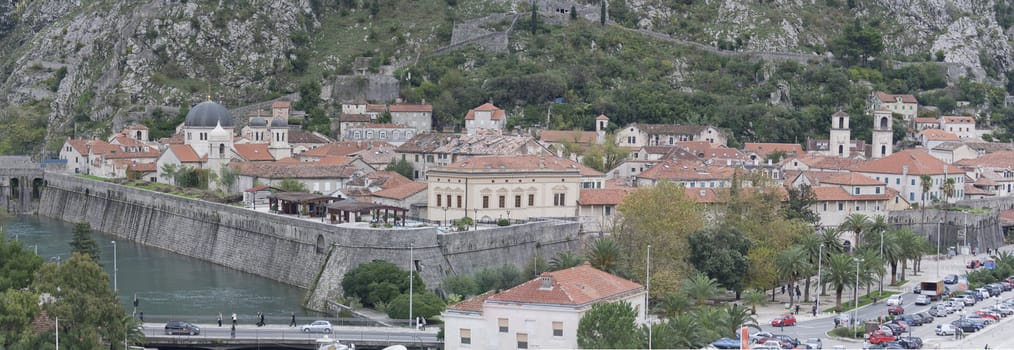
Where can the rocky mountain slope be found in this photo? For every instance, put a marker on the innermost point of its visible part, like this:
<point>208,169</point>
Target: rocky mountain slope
<point>92,62</point>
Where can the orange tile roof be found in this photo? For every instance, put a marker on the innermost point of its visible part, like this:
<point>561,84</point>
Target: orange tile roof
<point>473,304</point>
<point>281,104</point>
<point>706,150</point>
<point>1000,159</point>
<point>985,181</point>
<point>1007,217</point>
<point>680,171</point>
<point>602,117</point>
<point>143,167</point>
<point>889,98</point>
<point>496,115</point>
<point>919,162</point>
<point>410,108</point>
<point>298,170</point>
<point>517,163</point>
<point>579,285</point>
<point>253,152</point>
<point>186,154</point>
<point>80,145</point>
<point>603,196</point>
<point>388,179</point>
<point>970,190</point>
<point>958,120</point>
<point>925,120</point>
<point>831,162</point>
<point>401,191</point>
<point>852,179</point>
<point>939,135</point>
<point>817,177</point>
<point>576,136</point>
<point>763,149</point>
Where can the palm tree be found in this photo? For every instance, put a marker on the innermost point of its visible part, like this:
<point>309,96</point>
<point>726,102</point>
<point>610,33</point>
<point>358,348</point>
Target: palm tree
<point>731,318</point>
<point>566,260</point>
<point>700,288</point>
<point>674,304</point>
<point>831,239</point>
<point>872,267</point>
<point>839,273</point>
<point>926,183</point>
<point>792,264</point>
<point>948,188</point>
<point>892,253</point>
<point>909,248</point>
<point>680,332</point>
<point>810,243</point>
<point>132,326</point>
<point>604,255</point>
<point>754,298</point>
<point>857,223</point>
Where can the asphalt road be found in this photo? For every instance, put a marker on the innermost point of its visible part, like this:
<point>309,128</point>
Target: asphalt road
<point>817,328</point>
<point>344,334</point>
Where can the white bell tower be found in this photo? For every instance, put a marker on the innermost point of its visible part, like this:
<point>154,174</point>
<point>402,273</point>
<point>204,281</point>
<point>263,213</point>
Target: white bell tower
<point>883,134</point>
<point>841,137</point>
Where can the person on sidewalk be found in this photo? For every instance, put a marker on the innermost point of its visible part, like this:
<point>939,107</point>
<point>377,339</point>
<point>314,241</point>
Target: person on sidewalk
<point>797,309</point>
<point>293,323</point>
<point>219,319</point>
<point>233,319</point>
<point>814,309</point>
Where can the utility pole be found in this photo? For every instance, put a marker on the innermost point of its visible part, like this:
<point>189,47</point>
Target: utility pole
<point>411,269</point>
<point>647,288</point>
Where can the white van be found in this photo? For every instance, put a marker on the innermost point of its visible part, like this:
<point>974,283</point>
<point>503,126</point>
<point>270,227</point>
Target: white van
<point>983,292</point>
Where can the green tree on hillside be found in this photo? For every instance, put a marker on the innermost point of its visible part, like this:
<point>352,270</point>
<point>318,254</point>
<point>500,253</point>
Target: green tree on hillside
<point>609,326</point>
<point>404,168</point>
<point>378,281</point>
<point>858,43</point>
<point>17,266</point>
<point>83,243</point>
<point>721,253</point>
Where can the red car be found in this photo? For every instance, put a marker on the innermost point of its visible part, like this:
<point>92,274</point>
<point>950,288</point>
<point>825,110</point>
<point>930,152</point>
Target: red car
<point>895,310</point>
<point>987,314</point>
<point>877,337</point>
<point>784,320</point>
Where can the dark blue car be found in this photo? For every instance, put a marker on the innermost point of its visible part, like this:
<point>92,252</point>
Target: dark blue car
<point>726,343</point>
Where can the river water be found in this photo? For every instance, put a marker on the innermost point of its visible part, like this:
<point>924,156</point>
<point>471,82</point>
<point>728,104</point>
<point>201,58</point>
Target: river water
<point>168,285</point>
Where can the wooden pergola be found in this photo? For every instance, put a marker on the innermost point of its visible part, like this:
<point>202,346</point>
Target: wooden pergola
<point>292,202</point>
<point>351,211</point>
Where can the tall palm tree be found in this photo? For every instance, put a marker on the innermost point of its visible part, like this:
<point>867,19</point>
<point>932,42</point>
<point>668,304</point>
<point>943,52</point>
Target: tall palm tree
<point>566,260</point>
<point>132,325</point>
<point>731,317</point>
<point>909,243</point>
<point>871,268</point>
<point>948,188</point>
<point>857,223</point>
<point>810,243</point>
<point>604,255</point>
<point>925,183</point>
<point>792,264</point>
<point>831,238</point>
<point>839,273</point>
<point>754,298</point>
<point>700,288</point>
<point>892,253</point>
<point>680,332</point>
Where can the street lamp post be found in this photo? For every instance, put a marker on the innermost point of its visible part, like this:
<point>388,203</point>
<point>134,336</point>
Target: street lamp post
<point>445,217</point>
<point>820,259</point>
<point>855,310</point>
<point>882,260</point>
<point>411,268</point>
<point>647,294</point>
<point>475,218</point>
<point>115,284</point>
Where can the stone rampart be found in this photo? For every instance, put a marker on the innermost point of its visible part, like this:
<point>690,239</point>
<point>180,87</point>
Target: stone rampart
<point>307,254</point>
<point>983,230</point>
<point>21,184</point>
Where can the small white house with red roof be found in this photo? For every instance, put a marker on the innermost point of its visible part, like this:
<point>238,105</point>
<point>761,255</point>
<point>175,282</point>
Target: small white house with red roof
<point>963,127</point>
<point>485,117</point>
<point>904,104</point>
<point>542,313</point>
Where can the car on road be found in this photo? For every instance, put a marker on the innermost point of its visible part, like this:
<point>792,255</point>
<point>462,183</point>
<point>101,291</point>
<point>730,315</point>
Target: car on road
<point>917,289</point>
<point>814,343</point>
<point>180,327</point>
<point>895,310</point>
<point>945,329</point>
<point>877,337</point>
<point>784,320</point>
<point>922,300</point>
<point>951,279</point>
<point>988,314</point>
<point>969,299</point>
<point>894,328</point>
<point>726,343</point>
<point>910,342</point>
<point>980,320</point>
<point>911,320</point>
<point>927,318</point>
<point>967,325</point>
<point>938,310</point>
<point>894,300</point>
<point>317,327</point>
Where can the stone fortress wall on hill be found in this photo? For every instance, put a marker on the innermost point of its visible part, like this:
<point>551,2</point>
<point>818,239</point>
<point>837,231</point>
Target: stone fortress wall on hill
<point>307,254</point>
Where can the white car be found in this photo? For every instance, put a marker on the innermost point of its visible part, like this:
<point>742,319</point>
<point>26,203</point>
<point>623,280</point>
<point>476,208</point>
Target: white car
<point>894,300</point>
<point>922,300</point>
<point>945,329</point>
<point>317,327</point>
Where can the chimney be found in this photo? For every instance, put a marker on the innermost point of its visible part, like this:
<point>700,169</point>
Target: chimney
<point>769,161</point>
<point>546,282</point>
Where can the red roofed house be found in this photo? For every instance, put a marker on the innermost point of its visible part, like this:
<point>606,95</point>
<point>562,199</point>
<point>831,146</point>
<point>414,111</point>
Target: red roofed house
<point>906,105</point>
<point>762,150</point>
<point>417,116</point>
<point>993,172</point>
<point>485,117</point>
<point>902,171</point>
<point>542,313</point>
<point>964,127</point>
<point>690,175</point>
<point>930,138</point>
<point>508,187</point>
<point>597,207</point>
<point>842,194</point>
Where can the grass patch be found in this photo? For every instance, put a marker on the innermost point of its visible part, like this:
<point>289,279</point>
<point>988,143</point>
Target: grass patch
<point>863,301</point>
<point>899,283</point>
<point>857,332</point>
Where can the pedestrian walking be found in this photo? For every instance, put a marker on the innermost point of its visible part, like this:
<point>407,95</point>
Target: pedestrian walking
<point>233,320</point>
<point>798,294</point>
<point>783,289</point>
<point>293,322</point>
<point>836,322</point>
<point>220,319</point>
<point>233,332</point>
<point>142,316</point>
<point>262,318</point>
<point>797,309</point>
<point>814,310</point>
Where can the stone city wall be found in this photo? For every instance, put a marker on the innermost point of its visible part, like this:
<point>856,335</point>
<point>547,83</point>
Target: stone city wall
<point>307,254</point>
<point>983,230</point>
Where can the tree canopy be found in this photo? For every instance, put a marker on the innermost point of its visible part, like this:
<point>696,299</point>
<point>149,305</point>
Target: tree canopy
<point>609,326</point>
<point>83,243</point>
<point>378,282</point>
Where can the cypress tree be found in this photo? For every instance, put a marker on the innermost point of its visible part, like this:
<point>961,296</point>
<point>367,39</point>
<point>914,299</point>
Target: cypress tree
<point>602,13</point>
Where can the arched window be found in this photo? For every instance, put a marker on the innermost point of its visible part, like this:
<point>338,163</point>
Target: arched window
<point>356,135</point>
<point>138,135</point>
<point>369,135</point>
<point>320,244</point>
<point>841,150</point>
<point>221,150</point>
<point>841,122</point>
<point>883,149</point>
<point>383,135</point>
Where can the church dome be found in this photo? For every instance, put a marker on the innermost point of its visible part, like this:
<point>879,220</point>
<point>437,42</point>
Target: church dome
<point>208,114</point>
<point>279,122</point>
<point>258,122</point>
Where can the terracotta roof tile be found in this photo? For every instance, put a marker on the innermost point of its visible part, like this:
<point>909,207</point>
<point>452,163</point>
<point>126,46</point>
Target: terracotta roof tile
<point>298,170</point>
<point>682,171</point>
<point>343,148</point>
<point>852,179</point>
<point>481,144</point>
<point>143,167</point>
<point>355,118</point>
<point>186,154</point>
<point>579,285</point>
<point>985,181</point>
<point>763,149</point>
<point>374,108</point>
<point>401,191</point>
<point>302,136</point>
<point>80,145</point>
<point>925,120</point>
<point>958,120</point>
<point>575,136</point>
<point>411,108</point>
<point>254,152</point>
<point>603,196</point>
<point>473,304</point>
<point>1001,159</point>
<point>281,104</point>
<point>938,135</point>
<point>705,150</point>
<point>889,98</point>
<point>972,190</point>
<point>602,117</point>
<point>919,162</point>
<point>496,115</point>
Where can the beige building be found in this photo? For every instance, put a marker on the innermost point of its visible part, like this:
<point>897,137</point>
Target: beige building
<point>952,152</point>
<point>485,117</point>
<point>430,150</point>
<point>842,194</point>
<point>963,127</point>
<point>509,187</point>
<point>902,172</point>
<point>539,314</point>
<point>638,135</point>
<point>906,105</point>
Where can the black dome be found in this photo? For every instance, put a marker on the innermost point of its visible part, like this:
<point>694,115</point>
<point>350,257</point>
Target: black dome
<point>279,122</point>
<point>208,114</point>
<point>258,121</point>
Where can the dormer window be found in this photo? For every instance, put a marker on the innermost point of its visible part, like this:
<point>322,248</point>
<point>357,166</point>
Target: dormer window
<point>546,282</point>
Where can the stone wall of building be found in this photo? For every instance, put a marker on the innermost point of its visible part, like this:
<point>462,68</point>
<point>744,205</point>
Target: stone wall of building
<point>21,184</point>
<point>983,230</point>
<point>308,254</point>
